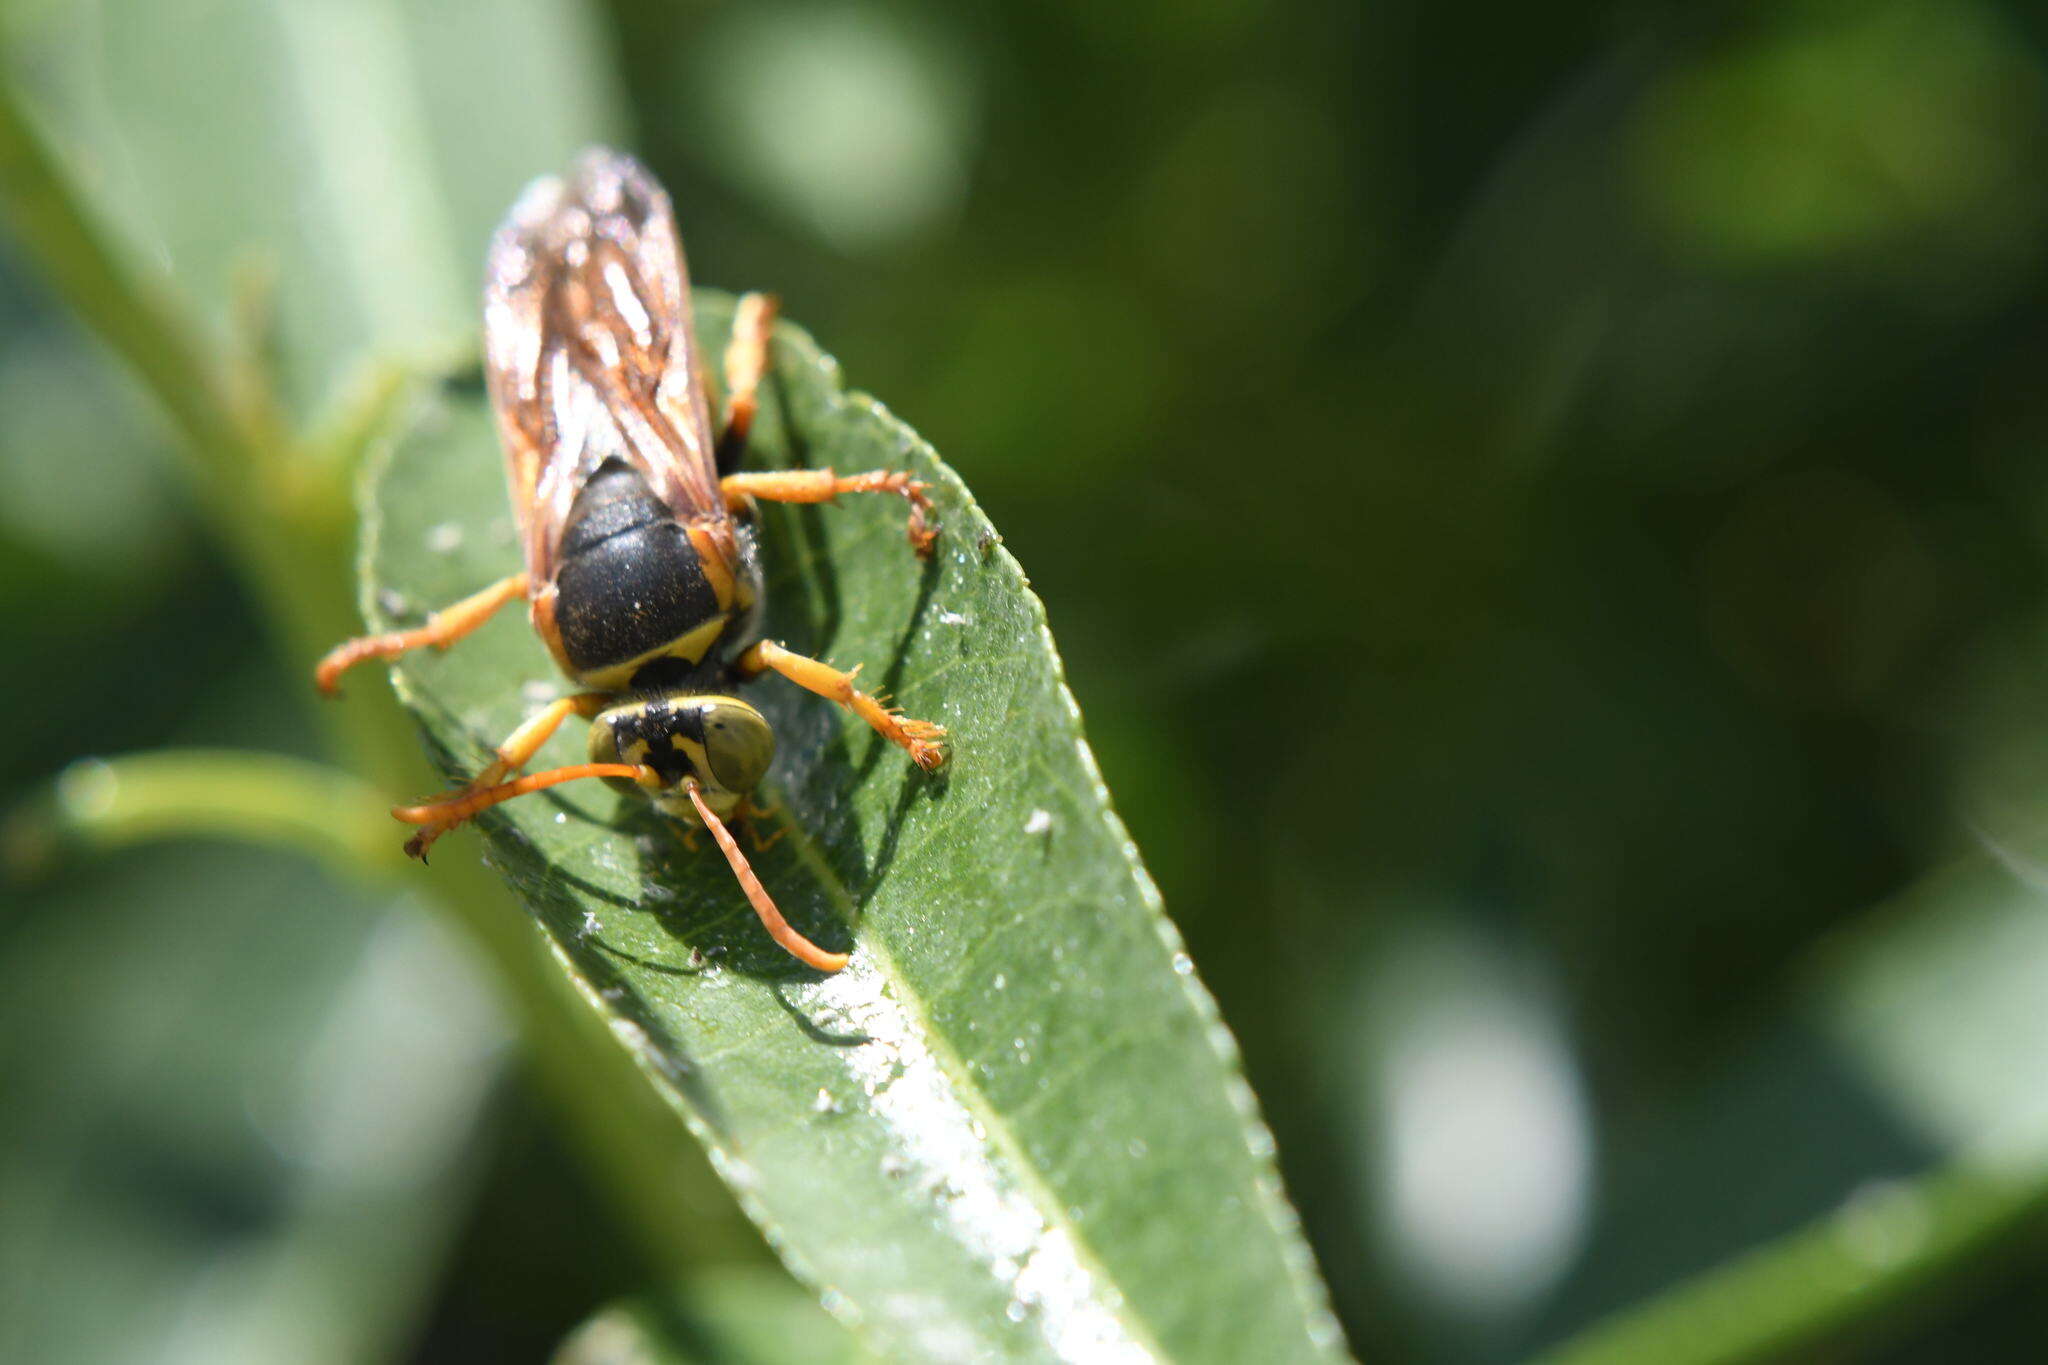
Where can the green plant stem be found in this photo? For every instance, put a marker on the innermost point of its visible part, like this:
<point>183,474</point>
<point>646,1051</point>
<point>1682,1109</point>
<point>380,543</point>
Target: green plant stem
<point>129,316</point>
<point>250,797</point>
<point>284,512</point>
<point>1884,1247</point>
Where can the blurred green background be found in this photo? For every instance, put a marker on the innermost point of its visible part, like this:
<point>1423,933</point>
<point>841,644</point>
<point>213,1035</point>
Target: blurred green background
<point>1545,513</point>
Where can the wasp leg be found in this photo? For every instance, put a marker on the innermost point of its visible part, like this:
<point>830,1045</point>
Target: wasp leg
<point>752,813</point>
<point>436,817</point>
<point>924,740</point>
<point>822,485</point>
<point>452,810</point>
<point>442,629</point>
<point>746,361</point>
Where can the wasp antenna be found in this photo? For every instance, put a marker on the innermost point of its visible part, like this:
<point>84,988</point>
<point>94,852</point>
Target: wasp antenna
<point>794,943</point>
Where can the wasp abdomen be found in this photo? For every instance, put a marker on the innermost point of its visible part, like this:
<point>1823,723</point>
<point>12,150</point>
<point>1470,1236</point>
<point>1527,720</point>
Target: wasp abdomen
<point>630,585</point>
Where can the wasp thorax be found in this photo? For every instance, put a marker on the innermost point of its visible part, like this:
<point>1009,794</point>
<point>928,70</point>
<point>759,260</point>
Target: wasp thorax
<point>722,743</point>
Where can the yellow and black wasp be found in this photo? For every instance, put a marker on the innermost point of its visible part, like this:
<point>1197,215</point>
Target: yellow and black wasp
<point>643,567</point>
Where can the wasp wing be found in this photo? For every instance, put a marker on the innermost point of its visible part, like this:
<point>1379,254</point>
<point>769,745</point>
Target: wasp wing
<point>589,351</point>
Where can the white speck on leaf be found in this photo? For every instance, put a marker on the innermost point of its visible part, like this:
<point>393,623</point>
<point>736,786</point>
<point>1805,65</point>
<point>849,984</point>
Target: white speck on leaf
<point>631,1034</point>
<point>1039,822</point>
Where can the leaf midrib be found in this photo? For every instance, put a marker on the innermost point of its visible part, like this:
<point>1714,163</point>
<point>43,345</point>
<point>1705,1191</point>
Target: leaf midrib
<point>968,1091</point>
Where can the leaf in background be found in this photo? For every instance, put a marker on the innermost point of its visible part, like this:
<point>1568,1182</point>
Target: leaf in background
<point>1014,1125</point>
<point>722,1317</point>
<point>243,1113</point>
<point>1937,1003</point>
<point>241,1135</point>
<point>1898,1153</point>
<point>361,151</point>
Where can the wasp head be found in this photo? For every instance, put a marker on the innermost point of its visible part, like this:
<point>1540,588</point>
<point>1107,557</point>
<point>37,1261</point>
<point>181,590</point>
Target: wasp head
<point>721,743</point>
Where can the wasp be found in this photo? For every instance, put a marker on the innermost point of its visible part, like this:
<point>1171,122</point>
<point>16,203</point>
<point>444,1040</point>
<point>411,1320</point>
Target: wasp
<point>642,557</point>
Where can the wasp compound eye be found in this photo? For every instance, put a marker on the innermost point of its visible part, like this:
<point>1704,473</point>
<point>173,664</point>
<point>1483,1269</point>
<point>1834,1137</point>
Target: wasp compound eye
<point>738,743</point>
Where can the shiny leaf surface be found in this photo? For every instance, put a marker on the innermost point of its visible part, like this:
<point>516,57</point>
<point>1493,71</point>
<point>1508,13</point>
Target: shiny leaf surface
<point>1014,1125</point>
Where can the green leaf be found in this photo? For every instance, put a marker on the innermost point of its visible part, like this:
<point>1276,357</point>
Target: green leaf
<point>733,1316</point>
<point>245,1106</point>
<point>358,153</point>
<point>1802,1295</point>
<point>1933,1002</point>
<point>1014,1125</point>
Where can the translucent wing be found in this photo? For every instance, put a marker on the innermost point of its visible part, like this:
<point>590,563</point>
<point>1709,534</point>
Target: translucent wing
<point>589,353</point>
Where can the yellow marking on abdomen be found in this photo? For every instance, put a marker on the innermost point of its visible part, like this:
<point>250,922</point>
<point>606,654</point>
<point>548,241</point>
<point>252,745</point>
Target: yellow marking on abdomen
<point>693,646</point>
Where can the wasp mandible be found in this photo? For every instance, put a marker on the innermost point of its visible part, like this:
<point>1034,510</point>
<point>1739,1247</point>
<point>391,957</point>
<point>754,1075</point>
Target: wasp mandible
<point>643,564</point>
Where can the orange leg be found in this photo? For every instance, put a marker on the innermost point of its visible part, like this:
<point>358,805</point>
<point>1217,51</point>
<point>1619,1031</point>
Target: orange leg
<point>924,740</point>
<point>461,806</point>
<point>822,485</point>
<point>746,361</point>
<point>442,629</point>
<point>435,818</point>
<point>752,813</point>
